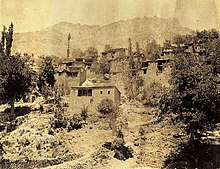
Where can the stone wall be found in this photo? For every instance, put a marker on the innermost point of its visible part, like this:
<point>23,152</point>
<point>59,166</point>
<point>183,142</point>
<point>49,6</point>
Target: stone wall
<point>153,74</point>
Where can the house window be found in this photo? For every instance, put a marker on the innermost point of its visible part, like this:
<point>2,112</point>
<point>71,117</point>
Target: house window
<point>90,92</point>
<point>108,92</point>
<point>75,74</point>
<point>145,71</point>
<point>69,64</point>
<point>144,64</point>
<point>160,66</point>
<point>85,92</point>
<point>100,92</point>
<point>80,92</point>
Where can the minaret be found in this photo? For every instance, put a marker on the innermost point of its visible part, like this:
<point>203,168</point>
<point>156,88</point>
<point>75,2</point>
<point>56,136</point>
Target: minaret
<point>68,48</point>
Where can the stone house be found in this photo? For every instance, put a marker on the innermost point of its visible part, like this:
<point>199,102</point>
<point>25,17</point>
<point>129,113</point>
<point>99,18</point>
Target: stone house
<point>114,53</point>
<point>69,75</point>
<point>84,62</point>
<point>116,57</point>
<point>156,71</point>
<point>91,94</point>
<point>167,53</point>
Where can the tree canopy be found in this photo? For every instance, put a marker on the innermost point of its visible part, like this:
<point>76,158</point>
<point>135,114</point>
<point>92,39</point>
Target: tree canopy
<point>193,97</point>
<point>15,73</point>
<point>46,74</point>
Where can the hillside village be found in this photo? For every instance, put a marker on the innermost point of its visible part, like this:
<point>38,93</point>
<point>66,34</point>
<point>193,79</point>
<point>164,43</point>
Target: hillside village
<point>123,107</point>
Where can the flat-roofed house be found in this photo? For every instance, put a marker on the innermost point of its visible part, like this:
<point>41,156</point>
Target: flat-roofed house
<point>68,75</point>
<point>156,71</point>
<point>91,94</point>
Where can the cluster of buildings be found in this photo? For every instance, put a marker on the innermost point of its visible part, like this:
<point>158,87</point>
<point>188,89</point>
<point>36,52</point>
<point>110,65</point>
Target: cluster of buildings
<point>72,74</point>
<point>72,77</point>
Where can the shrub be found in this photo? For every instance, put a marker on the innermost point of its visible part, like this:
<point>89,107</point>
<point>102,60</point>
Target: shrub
<point>152,95</point>
<point>106,107</point>
<point>122,152</point>
<point>84,113</point>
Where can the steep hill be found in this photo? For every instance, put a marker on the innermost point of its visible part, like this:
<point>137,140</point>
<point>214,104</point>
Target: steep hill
<point>53,40</point>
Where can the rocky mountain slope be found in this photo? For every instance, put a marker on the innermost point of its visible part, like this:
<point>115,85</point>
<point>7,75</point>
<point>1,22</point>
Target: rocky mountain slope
<point>53,40</point>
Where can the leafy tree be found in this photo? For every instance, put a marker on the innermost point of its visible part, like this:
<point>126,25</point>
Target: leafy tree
<point>91,52</point>
<point>15,73</point>
<point>2,44</point>
<point>108,109</point>
<point>107,47</point>
<point>9,39</point>
<point>193,98</point>
<point>105,107</point>
<point>167,43</point>
<point>128,80</point>
<point>152,50</point>
<point>84,112</point>
<point>151,95</point>
<point>130,53</point>
<point>104,66</point>
<point>46,75</point>
<point>6,40</point>
<point>137,48</point>
<point>16,79</point>
<point>76,53</point>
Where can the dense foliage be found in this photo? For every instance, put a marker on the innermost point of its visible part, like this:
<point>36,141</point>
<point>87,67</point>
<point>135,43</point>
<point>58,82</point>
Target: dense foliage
<point>15,73</point>
<point>46,78</point>
<point>106,107</point>
<point>194,95</point>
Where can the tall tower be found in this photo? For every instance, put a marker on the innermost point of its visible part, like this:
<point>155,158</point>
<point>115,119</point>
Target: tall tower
<point>68,48</point>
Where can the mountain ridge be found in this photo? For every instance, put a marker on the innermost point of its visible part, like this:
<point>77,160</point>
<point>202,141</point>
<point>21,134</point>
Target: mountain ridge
<point>53,40</point>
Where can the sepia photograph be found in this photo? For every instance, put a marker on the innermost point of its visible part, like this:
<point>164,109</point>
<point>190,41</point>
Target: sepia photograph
<point>109,84</point>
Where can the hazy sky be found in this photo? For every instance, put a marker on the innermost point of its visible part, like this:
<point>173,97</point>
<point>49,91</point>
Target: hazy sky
<point>31,15</point>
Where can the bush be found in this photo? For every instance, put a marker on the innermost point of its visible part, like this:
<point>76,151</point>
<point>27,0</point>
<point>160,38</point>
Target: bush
<point>152,95</point>
<point>106,107</point>
<point>84,113</point>
<point>62,122</point>
<point>122,152</point>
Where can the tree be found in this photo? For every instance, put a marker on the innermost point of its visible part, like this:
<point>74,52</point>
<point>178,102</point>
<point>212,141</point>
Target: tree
<point>6,40</point>
<point>15,74</point>
<point>2,44</point>
<point>46,76</point>
<point>104,66</point>
<point>108,109</point>
<point>167,43</point>
<point>84,112</point>
<point>130,53</point>
<point>16,79</point>
<point>76,53</point>
<point>105,107</point>
<point>107,47</point>
<point>91,52</point>
<point>152,50</point>
<point>137,48</point>
<point>132,81</point>
<point>9,40</point>
<point>193,98</point>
